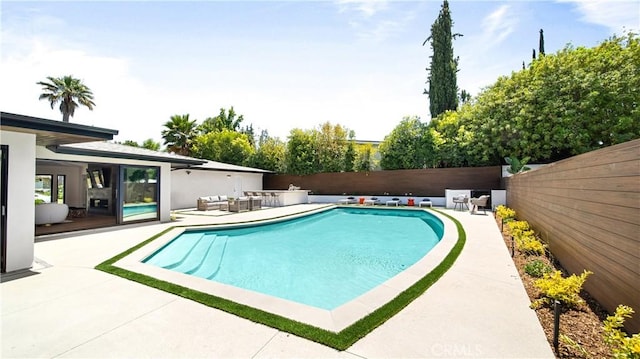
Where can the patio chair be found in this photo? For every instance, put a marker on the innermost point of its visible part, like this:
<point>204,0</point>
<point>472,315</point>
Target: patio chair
<point>372,201</point>
<point>395,201</point>
<point>481,201</point>
<point>425,202</point>
<point>461,200</point>
<point>348,200</point>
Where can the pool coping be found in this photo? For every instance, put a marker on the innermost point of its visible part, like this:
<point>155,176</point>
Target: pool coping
<point>332,320</point>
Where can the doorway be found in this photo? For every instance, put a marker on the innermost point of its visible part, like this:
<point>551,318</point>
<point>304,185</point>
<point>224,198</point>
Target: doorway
<point>4,174</point>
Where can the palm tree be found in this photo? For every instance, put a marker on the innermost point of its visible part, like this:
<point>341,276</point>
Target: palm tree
<point>179,135</point>
<point>66,90</point>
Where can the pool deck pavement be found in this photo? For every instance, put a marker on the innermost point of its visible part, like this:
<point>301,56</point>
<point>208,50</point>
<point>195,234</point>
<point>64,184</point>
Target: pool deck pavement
<point>64,308</point>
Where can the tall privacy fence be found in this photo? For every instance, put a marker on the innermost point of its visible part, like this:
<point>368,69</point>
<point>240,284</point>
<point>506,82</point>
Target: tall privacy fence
<point>420,182</point>
<point>588,209</point>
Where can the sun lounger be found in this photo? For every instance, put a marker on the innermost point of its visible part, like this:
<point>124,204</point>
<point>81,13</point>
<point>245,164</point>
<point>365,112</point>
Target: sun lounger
<point>393,202</point>
<point>371,201</point>
<point>348,200</point>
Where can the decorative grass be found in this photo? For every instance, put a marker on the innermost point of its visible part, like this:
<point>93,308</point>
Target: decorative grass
<point>341,341</point>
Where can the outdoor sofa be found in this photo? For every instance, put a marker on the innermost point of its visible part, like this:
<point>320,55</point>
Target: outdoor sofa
<point>213,202</point>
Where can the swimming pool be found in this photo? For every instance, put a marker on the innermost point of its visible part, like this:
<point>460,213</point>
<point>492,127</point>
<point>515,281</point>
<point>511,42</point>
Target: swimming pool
<point>323,260</point>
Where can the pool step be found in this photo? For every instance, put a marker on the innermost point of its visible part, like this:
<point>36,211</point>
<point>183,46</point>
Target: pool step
<point>196,255</point>
<point>175,253</point>
<point>213,260</point>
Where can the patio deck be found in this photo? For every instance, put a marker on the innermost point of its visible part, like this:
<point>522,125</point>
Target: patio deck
<point>65,308</point>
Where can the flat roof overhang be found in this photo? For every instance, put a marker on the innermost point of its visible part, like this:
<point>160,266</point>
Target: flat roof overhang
<point>54,133</point>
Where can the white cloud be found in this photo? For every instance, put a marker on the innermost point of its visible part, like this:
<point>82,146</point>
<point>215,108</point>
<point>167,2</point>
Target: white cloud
<point>497,26</point>
<point>615,15</point>
<point>366,8</point>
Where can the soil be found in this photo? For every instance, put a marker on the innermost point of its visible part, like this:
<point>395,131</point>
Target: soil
<point>583,325</point>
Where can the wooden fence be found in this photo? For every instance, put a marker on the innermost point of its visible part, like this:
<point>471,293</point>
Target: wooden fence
<point>421,182</point>
<point>587,208</point>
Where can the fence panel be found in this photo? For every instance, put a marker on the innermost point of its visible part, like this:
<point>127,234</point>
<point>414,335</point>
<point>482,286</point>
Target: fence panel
<point>420,182</point>
<point>588,209</point>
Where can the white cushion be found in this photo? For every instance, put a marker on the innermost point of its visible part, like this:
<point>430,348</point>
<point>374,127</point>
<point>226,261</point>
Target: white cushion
<point>222,198</point>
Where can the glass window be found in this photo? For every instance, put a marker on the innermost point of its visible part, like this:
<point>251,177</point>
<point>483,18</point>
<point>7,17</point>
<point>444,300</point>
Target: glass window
<point>61,188</point>
<point>139,193</point>
<point>43,188</point>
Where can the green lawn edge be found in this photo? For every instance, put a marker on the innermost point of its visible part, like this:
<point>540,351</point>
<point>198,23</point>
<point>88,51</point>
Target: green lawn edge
<point>340,341</point>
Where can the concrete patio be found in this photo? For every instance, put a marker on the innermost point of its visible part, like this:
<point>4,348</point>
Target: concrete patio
<point>65,308</point>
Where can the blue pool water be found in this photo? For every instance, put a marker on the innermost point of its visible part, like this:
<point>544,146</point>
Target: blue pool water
<point>323,260</point>
<point>136,209</point>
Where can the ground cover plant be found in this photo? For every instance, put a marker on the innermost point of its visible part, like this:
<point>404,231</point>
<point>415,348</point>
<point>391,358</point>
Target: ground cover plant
<point>341,341</point>
<point>586,329</point>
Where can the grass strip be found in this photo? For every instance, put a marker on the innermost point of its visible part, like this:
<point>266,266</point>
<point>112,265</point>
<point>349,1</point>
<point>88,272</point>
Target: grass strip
<point>341,340</point>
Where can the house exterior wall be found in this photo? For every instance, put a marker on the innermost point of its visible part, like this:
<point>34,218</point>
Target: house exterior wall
<point>165,173</point>
<point>188,186</point>
<point>20,199</point>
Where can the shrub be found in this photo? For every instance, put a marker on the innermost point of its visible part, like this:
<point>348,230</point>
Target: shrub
<point>506,213</point>
<point>555,287</point>
<point>621,345</point>
<point>537,268</point>
<point>529,244</point>
<point>515,228</point>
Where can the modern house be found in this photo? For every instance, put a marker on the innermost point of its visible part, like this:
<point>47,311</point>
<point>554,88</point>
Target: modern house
<point>72,164</point>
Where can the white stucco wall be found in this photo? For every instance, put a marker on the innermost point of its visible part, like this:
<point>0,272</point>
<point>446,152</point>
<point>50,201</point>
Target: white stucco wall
<point>165,173</point>
<point>20,199</point>
<point>75,189</point>
<point>187,187</point>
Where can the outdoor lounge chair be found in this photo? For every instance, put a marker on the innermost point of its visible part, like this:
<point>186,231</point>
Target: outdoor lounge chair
<point>461,200</point>
<point>372,201</point>
<point>476,203</point>
<point>425,202</point>
<point>348,200</point>
<point>393,202</point>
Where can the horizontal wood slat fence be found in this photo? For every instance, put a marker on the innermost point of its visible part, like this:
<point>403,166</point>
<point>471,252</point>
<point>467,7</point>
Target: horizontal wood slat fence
<point>420,182</point>
<point>587,208</point>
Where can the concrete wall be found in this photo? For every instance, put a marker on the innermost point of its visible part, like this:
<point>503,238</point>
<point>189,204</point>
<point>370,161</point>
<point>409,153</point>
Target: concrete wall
<point>587,208</point>
<point>20,199</point>
<point>188,185</point>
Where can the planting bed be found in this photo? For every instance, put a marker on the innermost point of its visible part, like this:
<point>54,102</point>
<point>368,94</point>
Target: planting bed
<point>583,325</point>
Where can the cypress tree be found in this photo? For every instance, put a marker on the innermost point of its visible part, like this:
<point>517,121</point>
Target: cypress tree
<point>443,87</point>
<point>541,44</point>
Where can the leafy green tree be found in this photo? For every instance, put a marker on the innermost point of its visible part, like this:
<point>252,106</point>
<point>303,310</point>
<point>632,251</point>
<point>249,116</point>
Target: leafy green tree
<point>150,144</point>
<point>225,146</point>
<point>564,104</point>
<point>301,157</point>
<point>331,145</point>
<point>131,143</point>
<point>349,156</point>
<point>66,90</point>
<point>410,145</point>
<point>450,138</point>
<point>179,134</point>
<point>270,154</point>
<point>443,87</point>
<point>364,160</point>
<point>224,120</point>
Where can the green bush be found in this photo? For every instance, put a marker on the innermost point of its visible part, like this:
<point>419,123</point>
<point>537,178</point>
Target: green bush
<point>622,346</point>
<point>537,268</point>
<point>554,286</point>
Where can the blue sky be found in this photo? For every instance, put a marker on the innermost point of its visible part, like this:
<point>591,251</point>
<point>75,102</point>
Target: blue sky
<point>283,65</point>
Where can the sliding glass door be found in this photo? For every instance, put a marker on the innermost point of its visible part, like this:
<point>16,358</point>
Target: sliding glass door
<point>139,193</point>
